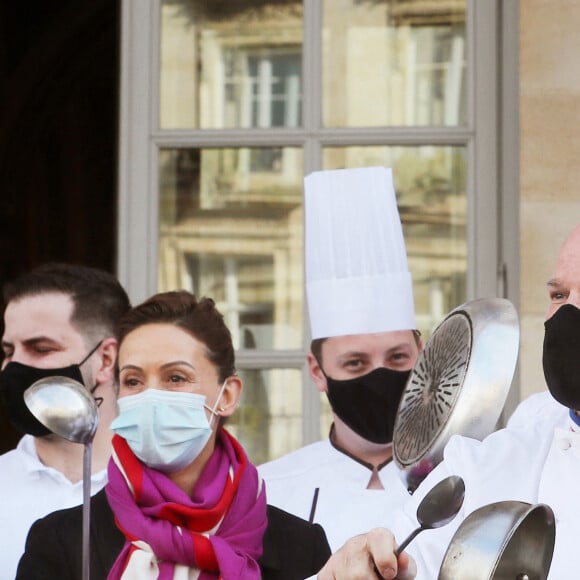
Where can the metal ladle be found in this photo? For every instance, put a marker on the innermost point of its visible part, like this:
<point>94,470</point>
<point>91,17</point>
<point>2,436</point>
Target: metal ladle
<point>64,406</point>
<point>438,507</point>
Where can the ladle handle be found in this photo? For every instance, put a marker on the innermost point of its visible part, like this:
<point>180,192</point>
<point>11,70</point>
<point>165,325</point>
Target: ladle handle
<point>86,509</point>
<point>408,540</point>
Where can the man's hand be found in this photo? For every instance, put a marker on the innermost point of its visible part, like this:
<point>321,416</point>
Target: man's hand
<point>370,555</point>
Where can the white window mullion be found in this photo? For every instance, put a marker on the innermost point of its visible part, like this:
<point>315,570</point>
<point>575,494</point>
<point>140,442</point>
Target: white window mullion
<point>312,69</point>
<point>453,81</point>
<point>483,217</point>
<point>491,156</point>
<point>264,94</point>
<point>312,120</point>
<point>232,301</point>
<point>137,225</point>
<point>292,96</point>
<point>508,148</point>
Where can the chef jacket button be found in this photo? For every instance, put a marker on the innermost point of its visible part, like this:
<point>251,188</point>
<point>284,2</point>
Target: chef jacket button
<point>564,444</point>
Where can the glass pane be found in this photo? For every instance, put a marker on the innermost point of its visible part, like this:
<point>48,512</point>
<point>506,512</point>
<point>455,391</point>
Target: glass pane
<point>268,421</point>
<point>393,63</point>
<point>431,193</point>
<point>230,64</point>
<point>231,228</point>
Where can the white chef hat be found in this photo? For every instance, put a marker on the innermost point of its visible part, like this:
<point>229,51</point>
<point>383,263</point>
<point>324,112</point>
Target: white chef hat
<point>357,277</point>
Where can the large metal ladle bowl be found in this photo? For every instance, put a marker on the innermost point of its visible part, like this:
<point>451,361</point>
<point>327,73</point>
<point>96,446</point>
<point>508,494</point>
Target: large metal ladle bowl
<point>64,406</point>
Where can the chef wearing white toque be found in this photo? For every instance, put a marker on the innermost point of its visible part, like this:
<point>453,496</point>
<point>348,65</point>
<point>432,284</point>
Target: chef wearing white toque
<point>362,319</point>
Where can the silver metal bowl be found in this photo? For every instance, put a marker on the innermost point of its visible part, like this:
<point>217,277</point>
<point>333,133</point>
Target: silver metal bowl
<point>64,406</point>
<point>459,384</point>
<point>507,540</point>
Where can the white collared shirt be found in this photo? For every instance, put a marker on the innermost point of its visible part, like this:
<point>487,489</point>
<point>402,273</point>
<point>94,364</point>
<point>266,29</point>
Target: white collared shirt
<point>30,490</point>
<point>344,506</point>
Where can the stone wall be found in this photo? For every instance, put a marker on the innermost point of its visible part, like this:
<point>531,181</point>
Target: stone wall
<point>549,161</point>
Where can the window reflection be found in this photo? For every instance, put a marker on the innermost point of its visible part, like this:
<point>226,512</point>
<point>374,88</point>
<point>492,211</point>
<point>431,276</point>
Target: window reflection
<point>430,183</point>
<point>243,290</point>
<point>393,63</point>
<point>268,421</point>
<point>230,218</point>
<point>231,229</point>
<point>228,64</point>
<point>262,88</point>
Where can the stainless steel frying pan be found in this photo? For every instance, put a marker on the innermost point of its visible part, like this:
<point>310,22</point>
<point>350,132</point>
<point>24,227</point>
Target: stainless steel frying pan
<point>507,540</point>
<point>459,384</point>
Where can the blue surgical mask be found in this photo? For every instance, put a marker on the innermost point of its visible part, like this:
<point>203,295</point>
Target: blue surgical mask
<point>166,430</point>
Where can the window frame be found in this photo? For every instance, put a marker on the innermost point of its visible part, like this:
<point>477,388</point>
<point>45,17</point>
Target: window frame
<point>490,137</point>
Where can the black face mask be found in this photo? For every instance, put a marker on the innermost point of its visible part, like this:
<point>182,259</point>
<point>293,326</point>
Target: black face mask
<point>16,378</point>
<point>369,404</point>
<point>561,357</point>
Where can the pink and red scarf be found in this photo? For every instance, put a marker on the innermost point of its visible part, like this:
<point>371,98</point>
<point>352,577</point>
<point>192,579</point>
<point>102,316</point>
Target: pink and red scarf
<point>217,532</point>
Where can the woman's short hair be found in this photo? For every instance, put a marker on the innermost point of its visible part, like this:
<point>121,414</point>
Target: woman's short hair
<point>198,317</point>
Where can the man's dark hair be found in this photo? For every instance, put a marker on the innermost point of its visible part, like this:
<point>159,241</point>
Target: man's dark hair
<point>98,297</point>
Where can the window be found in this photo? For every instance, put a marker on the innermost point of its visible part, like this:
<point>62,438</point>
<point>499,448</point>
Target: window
<point>227,105</point>
<point>262,87</point>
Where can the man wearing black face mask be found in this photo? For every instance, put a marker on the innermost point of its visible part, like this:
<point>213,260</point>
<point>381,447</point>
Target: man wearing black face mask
<point>561,348</point>
<point>61,320</point>
<point>362,319</point>
<point>561,365</point>
<point>536,459</point>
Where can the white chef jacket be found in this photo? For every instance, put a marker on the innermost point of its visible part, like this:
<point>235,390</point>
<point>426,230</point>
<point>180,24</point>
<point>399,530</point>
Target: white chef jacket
<point>344,507</point>
<point>30,490</point>
<point>536,464</point>
<point>538,407</point>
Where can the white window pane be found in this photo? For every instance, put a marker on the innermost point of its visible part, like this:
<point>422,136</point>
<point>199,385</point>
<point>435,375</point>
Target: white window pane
<point>268,421</point>
<point>393,63</point>
<point>230,64</point>
<point>231,229</point>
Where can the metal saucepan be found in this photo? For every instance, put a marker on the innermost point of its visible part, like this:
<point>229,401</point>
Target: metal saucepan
<point>507,540</point>
<point>459,384</point>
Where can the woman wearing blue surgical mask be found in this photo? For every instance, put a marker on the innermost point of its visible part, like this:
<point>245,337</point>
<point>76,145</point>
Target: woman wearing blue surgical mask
<point>182,490</point>
<point>182,500</point>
